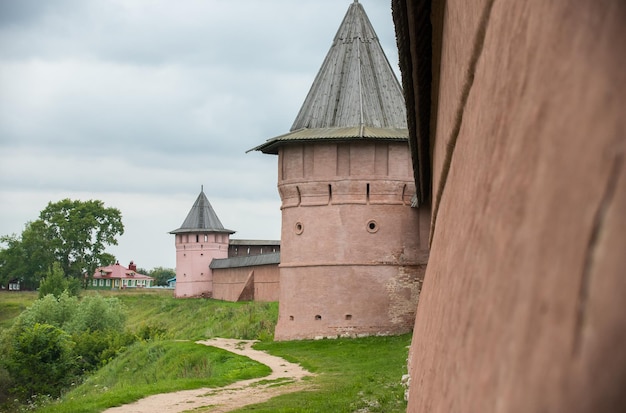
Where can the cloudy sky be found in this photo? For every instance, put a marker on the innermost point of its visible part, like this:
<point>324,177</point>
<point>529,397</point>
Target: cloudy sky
<point>140,102</point>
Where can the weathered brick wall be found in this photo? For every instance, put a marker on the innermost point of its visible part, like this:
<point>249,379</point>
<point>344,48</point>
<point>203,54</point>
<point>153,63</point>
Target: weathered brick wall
<point>352,247</point>
<point>229,283</point>
<point>522,305</point>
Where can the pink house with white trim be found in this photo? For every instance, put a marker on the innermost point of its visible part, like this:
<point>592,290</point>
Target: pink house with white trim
<point>117,276</point>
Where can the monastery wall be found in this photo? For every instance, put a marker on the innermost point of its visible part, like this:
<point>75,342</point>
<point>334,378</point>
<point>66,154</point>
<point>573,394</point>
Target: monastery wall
<point>351,258</point>
<point>229,284</point>
<point>522,304</point>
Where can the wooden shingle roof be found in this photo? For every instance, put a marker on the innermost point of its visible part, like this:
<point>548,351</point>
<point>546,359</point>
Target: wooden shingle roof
<point>355,94</point>
<point>202,218</point>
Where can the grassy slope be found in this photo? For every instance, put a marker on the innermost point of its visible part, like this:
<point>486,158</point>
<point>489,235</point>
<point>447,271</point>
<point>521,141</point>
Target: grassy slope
<point>157,367</point>
<point>12,304</point>
<point>199,318</point>
<point>353,374</point>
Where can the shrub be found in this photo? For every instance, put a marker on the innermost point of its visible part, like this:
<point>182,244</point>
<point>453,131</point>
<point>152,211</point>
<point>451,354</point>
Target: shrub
<point>57,338</point>
<point>56,283</point>
<point>53,310</point>
<point>97,348</point>
<point>41,360</point>
<point>96,313</point>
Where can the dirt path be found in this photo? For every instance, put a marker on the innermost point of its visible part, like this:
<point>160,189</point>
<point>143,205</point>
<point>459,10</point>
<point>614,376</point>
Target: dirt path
<point>234,396</point>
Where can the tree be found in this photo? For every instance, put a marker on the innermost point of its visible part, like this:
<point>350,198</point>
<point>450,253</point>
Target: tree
<point>72,233</point>
<point>55,283</point>
<point>161,275</point>
<point>27,258</point>
<point>78,233</point>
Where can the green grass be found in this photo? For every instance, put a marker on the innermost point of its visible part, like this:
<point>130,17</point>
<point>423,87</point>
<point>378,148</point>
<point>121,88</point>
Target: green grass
<point>157,367</point>
<point>12,303</point>
<point>353,375</point>
<point>181,319</point>
<point>198,318</point>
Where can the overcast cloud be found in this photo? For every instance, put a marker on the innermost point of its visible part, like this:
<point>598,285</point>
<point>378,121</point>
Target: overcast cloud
<point>139,102</point>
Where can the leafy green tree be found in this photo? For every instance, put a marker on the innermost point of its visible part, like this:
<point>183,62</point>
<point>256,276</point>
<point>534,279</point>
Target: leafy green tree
<point>55,283</point>
<point>161,275</point>
<point>78,233</point>
<point>72,233</point>
<point>26,258</point>
<point>12,260</point>
<point>142,270</point>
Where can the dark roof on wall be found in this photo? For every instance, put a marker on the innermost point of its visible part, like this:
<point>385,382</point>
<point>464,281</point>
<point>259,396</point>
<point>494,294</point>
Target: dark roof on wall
<point>262,242</point>
<point>247,261</point>
<point>412,20</point>
<point>202,218</point>
<point>355,94</point>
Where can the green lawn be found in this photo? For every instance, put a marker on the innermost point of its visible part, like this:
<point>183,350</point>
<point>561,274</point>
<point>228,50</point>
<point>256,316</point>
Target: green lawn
<point>352,375</point>
<point>12,303</point>
<point>156,367</point>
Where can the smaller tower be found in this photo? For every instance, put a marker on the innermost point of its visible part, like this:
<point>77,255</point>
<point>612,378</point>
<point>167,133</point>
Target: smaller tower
<point>199,239</point>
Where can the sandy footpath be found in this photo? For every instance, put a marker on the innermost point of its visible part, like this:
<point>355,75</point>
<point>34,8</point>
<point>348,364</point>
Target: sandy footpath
<point>234,396</point>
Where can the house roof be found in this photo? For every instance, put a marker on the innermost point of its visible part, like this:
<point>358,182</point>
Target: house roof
<point>355,94</point>
<point>119,271</point>
<point>202,218</point>
<point>246,261</point>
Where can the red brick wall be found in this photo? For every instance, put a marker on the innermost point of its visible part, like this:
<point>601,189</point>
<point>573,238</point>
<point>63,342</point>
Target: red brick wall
<point>522,304</point>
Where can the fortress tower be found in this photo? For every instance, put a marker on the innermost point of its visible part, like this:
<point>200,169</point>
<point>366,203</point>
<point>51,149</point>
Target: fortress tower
<point>199,239</point>
<point>352,245</point>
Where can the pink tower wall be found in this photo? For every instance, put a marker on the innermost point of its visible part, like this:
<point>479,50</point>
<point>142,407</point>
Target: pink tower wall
<point>194,253</point>
<point>351,259</point>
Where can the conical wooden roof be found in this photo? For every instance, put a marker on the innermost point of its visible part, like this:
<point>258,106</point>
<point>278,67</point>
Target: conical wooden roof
<point>355,90</point>
<point>202,218</point>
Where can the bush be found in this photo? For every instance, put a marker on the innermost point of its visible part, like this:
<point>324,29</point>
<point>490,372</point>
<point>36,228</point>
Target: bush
<point>56,283</point>
<point>41,360</point>
<point>57,338</point>
<point>96,313</point>
<point>56,311</point>
<point>97,348</point>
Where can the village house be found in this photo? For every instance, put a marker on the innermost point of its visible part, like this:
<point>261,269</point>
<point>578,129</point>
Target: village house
<point>117,276</point>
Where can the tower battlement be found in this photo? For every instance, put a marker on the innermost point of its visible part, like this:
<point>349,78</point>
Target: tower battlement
<point>349,191</point>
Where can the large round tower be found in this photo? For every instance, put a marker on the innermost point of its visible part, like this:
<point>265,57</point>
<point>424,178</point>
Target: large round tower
<point>199,239</point>
<point>352,249</point>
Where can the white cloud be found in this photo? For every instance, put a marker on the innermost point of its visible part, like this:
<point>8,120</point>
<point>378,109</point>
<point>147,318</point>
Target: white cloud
<point>139,103</point>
